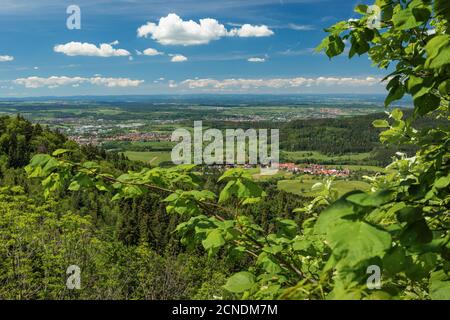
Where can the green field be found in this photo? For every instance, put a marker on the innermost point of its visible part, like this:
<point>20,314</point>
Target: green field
<point>313,155</point>
<point>356,167</point>
<point>154,158</point>
<point>302,185</point>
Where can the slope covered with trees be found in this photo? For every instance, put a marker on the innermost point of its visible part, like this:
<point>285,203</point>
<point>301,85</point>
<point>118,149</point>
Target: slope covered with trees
<point>325,248</point>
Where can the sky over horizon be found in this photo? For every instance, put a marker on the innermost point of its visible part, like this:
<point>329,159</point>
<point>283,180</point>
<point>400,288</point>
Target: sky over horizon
<point>176,47</point>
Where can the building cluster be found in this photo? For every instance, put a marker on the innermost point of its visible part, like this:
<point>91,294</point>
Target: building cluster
<point>94,139</point>
<point>85,140</point>
<point>314,169</point>
<point>136,136</point>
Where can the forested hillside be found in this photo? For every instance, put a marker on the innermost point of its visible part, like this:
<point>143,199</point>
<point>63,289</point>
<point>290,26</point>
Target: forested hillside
<point>126,249</point>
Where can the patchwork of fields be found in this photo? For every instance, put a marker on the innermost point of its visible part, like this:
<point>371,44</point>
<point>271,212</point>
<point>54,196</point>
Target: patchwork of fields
<point>141,131</point>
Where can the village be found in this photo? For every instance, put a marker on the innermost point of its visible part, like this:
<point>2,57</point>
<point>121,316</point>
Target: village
<point>314,169</point>
<point>128,137</point>
<point>310,169</point>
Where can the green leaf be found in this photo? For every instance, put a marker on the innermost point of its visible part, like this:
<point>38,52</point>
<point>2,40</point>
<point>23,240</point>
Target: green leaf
<point>335,47</point>
<point>240,282</point>
<point>287,227</point>
<point>333,214</point>
<point>442,182</point>
<point>356,241</point>
<point>226,193</point>
<point>301,245</point>
<point>442,8</point>
<point>59,152</point>
<point>172,197</point>
<point>426,103</point>
<point>359,43</point>
<point>372,200</point>
<point>409,214</point>
<point>51,165</point>
<point>421,14</point>
<point>213,241</point>
<point>421,266</point>
<point>405,19</point>
<point>232,174</point>
<point>439,286</point>
<point>269,265</point>
<point>380,124</point>
<point>101,186</point>
<point>395,261</point>
<point>397,115</point>
<point>396,92</point>
<point>132,191</point>
<point>39,160</point>
<point>250,201</point>
<point>74,186</point>
<point>91,165</point>
<point>361,8</point>
<point>418,86</point>
<point>332,45</point>
<point>415,233</point>
<point>438,50</point>
<point>444,87</point>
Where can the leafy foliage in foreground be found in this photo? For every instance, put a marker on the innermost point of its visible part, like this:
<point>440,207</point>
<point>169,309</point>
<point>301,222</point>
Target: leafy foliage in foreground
<point>402,225</point>
<point>38,243</point>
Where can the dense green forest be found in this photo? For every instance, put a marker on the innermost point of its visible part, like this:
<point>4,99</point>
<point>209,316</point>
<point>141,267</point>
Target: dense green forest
<point>138,232</point>
<point>338,136</point>
<point>126,249</point>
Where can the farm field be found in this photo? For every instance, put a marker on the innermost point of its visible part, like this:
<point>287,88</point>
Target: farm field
<point>153,158</point>
<point>293,156</point>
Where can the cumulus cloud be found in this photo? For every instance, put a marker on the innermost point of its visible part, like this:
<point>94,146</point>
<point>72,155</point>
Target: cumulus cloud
<point>178,58</point>
<point>248,30</point>
<point>278,83</point>
<point>88,49</point>
<point>172,30</point>
<point>55,81</point>
<point>6,58</point>
<point>152,52</point>
<point>115,82</point>
<point>256,60</point>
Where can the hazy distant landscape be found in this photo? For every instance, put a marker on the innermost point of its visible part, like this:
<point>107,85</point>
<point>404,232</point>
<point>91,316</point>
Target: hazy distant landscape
<point>140,128</point>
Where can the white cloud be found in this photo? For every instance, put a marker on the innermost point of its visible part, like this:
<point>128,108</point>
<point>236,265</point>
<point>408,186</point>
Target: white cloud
<point>6,58</point>
<point>247,31</point>
<point>299,52</point>
<point>152,52</point>
<point>178,58</point>
<point>55,81</point>
<point>115,82</point>
<point>172,30</point>
<point>300,27</point>
<point>278,83</point>
<point>38,82</point>
<point>256,60</point>
<point>88,49</point>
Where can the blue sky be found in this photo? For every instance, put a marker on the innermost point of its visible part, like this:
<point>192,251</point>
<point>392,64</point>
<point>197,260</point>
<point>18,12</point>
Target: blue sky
<point>230,46</point>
